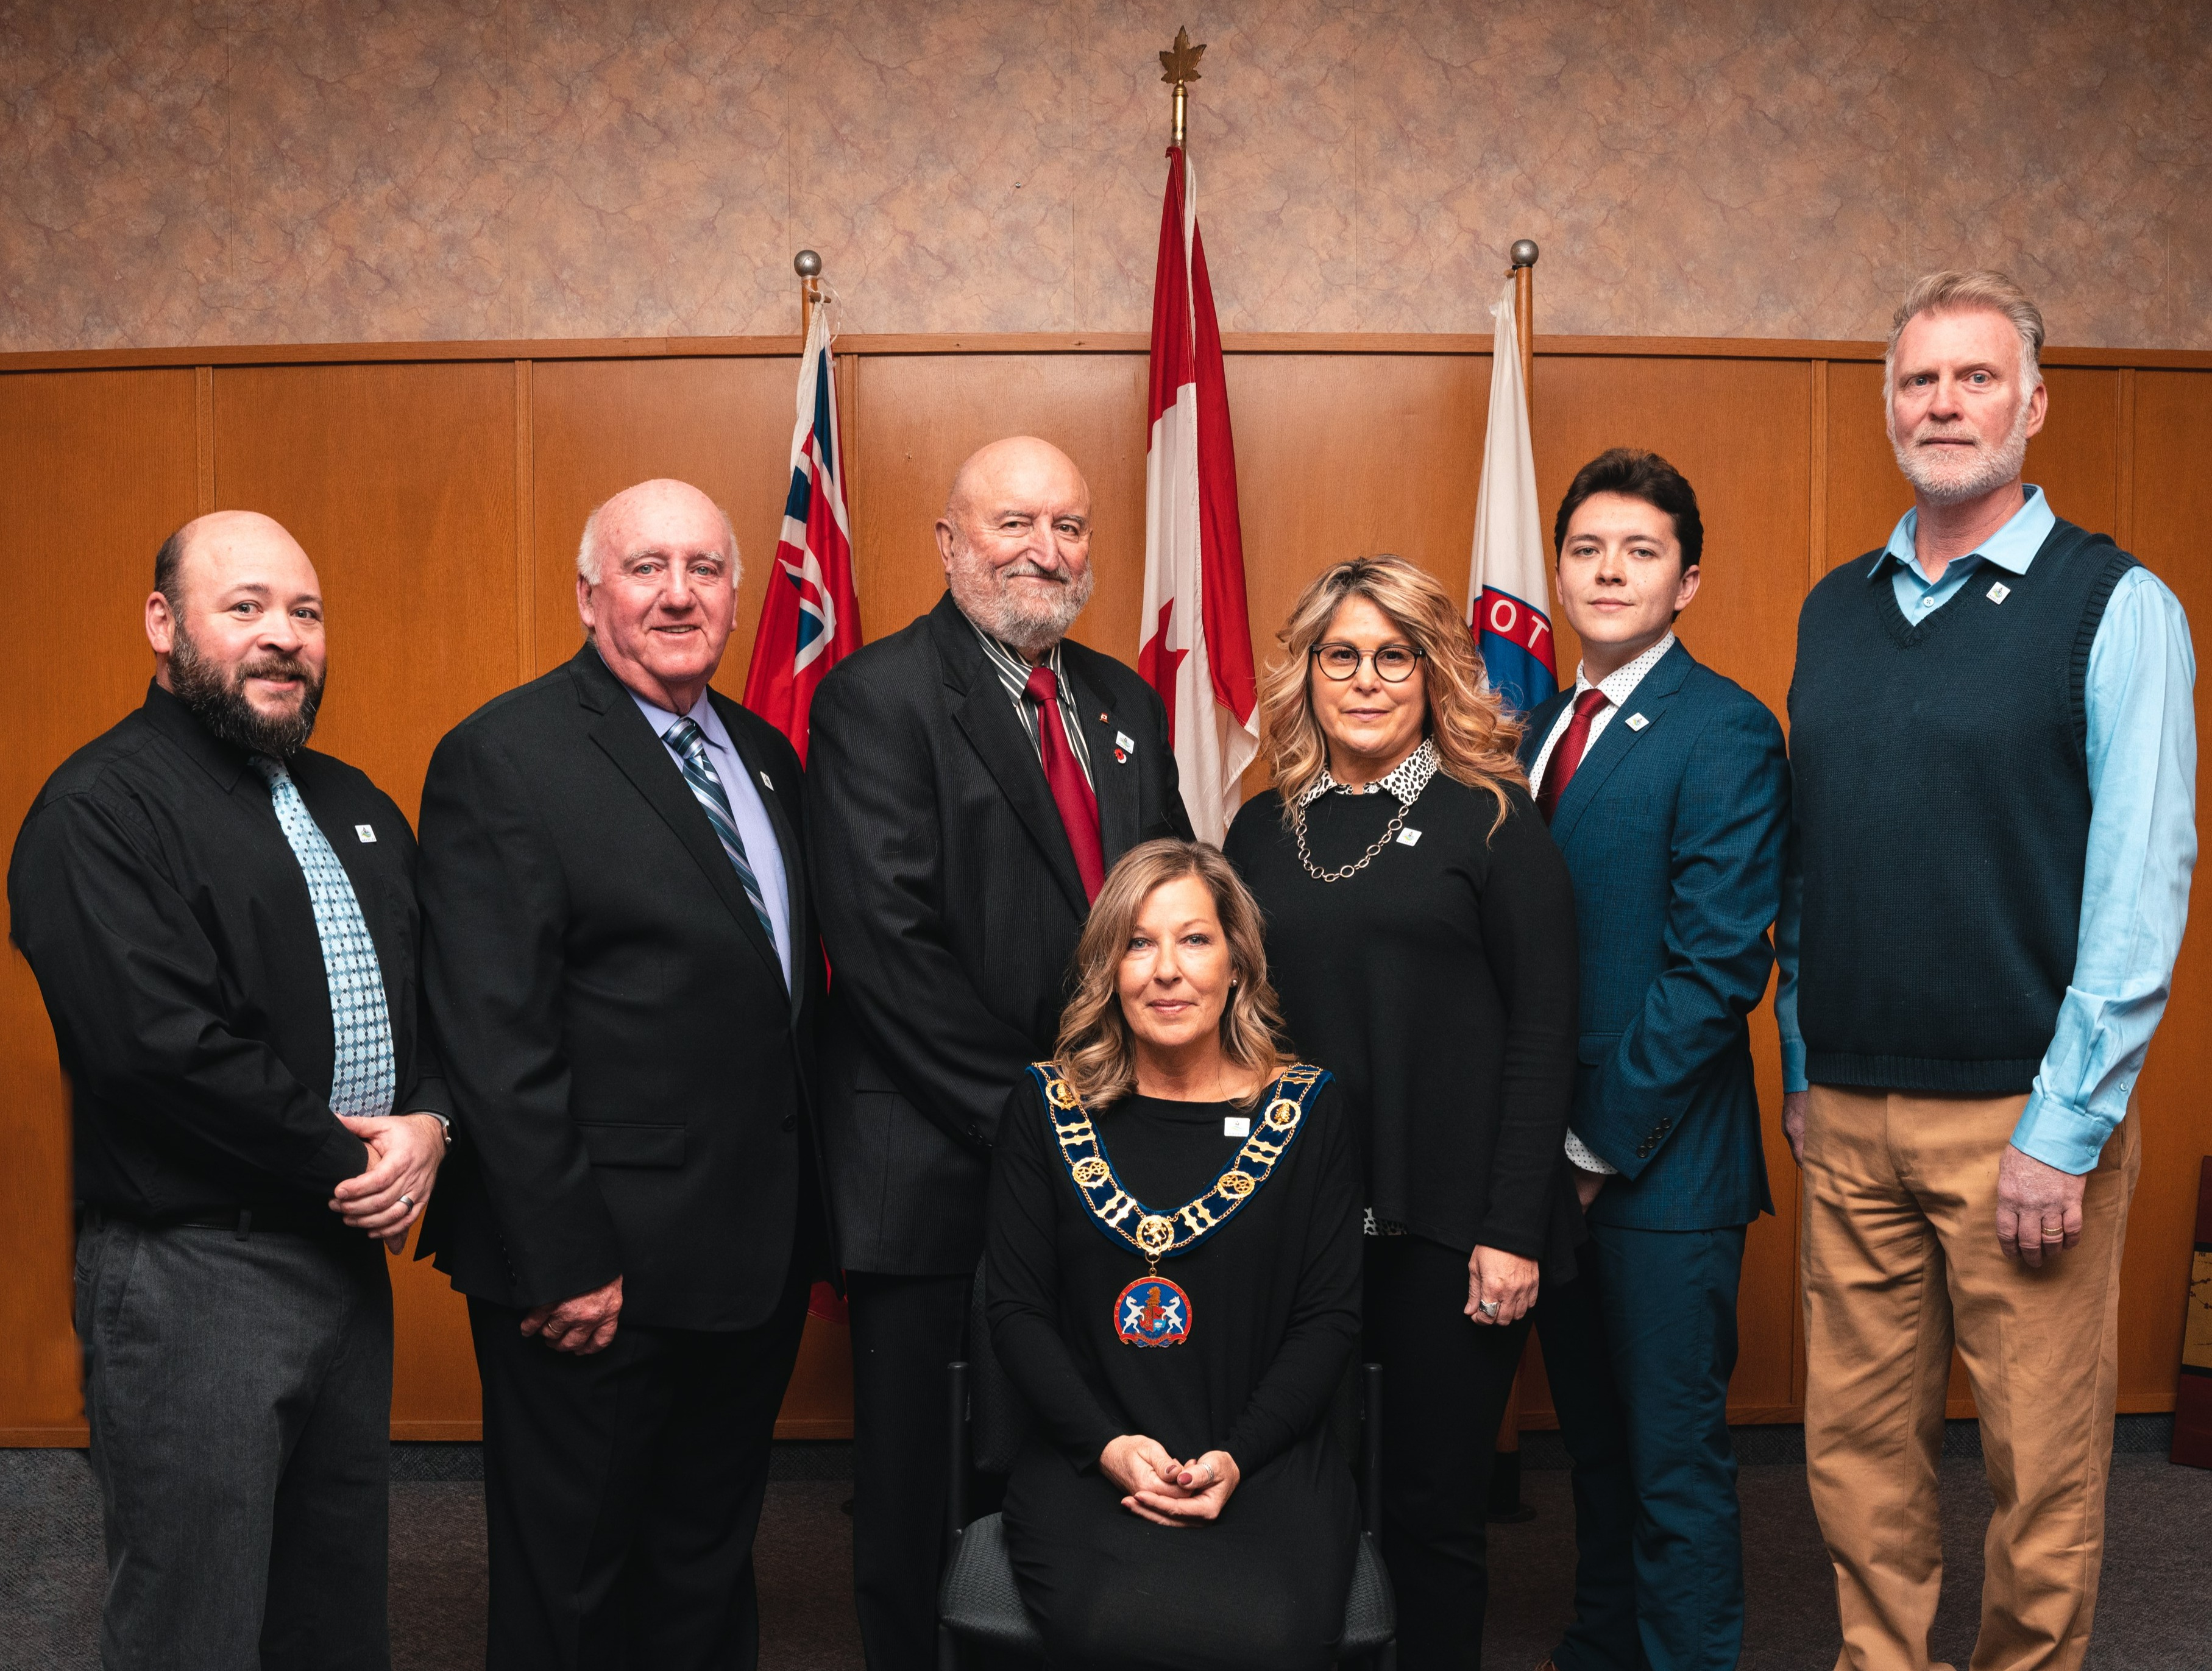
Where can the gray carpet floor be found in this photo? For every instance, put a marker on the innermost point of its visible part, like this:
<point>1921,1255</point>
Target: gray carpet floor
<point>2155,1613</point>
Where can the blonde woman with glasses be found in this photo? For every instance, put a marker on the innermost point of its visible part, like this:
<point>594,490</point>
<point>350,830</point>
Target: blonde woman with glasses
<point>1421,928</point>
<point>1173,1272</point>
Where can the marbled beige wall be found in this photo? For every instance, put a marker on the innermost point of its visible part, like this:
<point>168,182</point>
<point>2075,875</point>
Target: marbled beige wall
<point>277,171</point>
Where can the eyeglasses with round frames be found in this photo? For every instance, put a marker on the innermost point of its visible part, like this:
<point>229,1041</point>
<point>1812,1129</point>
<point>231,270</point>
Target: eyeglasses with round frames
<point>1393,663</point>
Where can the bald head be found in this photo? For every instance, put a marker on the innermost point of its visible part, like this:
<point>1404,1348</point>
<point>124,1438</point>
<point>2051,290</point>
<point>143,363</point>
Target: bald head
<point>1015,539</point>
<point>218,533</point>
<point>657,588</point>
<point>662,502</point>
<point>235,620</point>
<point>1019,466</point>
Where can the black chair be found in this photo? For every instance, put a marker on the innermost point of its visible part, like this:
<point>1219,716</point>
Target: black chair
<point>977,1603</point>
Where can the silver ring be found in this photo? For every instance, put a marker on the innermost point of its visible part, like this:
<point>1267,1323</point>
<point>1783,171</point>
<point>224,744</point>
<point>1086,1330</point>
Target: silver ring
<point>406,1201</point>
<point>1487,1307</point>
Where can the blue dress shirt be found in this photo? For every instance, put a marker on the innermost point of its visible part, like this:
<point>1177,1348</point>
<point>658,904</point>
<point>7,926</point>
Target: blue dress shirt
<point>746,808</point>
<point>2142,844</point>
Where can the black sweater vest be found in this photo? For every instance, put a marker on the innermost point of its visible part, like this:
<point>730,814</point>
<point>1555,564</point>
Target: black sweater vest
<point>1942,813</point>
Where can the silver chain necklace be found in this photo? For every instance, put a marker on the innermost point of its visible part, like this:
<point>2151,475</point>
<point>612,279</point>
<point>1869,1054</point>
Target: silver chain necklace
<point>1347,873</point>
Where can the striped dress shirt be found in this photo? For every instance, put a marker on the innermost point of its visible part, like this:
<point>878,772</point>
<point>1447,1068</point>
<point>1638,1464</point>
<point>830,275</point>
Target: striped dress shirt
<point>1014,674</point>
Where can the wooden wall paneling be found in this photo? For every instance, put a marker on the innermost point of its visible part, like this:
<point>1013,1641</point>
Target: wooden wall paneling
<point>922,415</point>
<point>2075,460</point>
<point>598,426</point>
<point>525,525</point>
<point>399,480</point>
<point>1741,431</point>
<point>203,425</point>
<point>100,467</point>
<point>1865,494</point>
<point>1342,456</point>
<point>2171,507</point>
<point>1817,464</point>
<point>2123,425</point>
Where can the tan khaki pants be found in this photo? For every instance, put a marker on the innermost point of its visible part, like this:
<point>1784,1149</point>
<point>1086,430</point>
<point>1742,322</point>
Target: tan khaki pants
<point>1900,1257</point>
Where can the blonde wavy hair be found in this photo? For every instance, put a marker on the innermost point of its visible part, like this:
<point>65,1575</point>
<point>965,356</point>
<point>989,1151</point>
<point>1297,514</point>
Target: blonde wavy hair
<point>1096,1050</point>
<point>1474,734</point>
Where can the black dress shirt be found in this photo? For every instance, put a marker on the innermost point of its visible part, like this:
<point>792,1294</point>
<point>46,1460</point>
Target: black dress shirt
<point>167,921</point>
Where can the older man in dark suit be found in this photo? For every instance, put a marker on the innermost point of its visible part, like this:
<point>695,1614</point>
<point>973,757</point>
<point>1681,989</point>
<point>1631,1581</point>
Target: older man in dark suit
<point>1667,788</point>
<point>621,962</point>
<point>975,776</point>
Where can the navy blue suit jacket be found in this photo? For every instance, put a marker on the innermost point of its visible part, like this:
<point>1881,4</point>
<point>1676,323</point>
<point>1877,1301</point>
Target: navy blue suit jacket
<point>1673,830</point>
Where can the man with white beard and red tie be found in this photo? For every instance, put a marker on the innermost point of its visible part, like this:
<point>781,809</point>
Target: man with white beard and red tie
<point>975,776</point>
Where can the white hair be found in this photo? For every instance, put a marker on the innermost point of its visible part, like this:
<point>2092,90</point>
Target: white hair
<point>1970,293</point>
<point>587,549</point>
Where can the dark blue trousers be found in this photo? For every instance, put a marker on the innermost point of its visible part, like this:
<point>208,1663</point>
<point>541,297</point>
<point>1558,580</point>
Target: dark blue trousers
<point>1638,1350</point>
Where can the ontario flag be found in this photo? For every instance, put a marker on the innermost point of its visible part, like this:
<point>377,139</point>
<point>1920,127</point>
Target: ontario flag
<point>1196,650</point>
<point>1508,602</point>
<point>811,618</point>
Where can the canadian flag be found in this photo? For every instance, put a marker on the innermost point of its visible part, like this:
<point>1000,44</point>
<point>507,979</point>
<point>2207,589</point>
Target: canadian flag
<point>1197,648</point>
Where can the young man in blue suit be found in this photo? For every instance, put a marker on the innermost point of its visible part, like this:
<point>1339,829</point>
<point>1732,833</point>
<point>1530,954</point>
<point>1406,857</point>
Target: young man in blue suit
<point>1668,788</point>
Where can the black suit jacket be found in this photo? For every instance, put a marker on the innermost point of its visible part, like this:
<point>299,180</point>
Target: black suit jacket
<point>168,923</point>
<point>630,1073</point>
<point>950,904</point>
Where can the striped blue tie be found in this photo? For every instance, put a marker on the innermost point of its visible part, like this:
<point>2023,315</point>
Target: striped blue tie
<point>362,1072</point>
<point>690,746</point>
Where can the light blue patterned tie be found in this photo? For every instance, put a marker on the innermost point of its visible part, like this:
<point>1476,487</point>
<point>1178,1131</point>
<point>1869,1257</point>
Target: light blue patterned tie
<point>361,1075</point>
<point>689,744</point>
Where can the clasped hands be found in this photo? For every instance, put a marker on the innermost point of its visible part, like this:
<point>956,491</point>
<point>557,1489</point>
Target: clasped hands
<point>1158,1489</point>
<point>403,1152</point>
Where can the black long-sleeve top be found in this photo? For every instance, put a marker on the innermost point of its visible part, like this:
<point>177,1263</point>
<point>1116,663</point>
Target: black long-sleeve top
<point>1275,1293</point>
<point>1439,984</point>
<point>167,921</point>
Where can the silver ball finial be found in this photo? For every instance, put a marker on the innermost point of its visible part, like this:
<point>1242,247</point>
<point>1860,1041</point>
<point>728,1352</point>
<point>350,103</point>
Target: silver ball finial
<point>1524,252</point>
<point>807,265</point>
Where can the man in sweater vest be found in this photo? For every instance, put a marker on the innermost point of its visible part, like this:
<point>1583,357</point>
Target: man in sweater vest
<point>1993,753</point>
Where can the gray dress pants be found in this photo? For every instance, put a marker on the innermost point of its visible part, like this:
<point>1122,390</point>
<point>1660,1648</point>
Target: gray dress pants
<point>239,1388</point>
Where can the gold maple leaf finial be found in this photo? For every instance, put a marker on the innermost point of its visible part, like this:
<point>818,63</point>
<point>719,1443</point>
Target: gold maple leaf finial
<point>1180,62</point>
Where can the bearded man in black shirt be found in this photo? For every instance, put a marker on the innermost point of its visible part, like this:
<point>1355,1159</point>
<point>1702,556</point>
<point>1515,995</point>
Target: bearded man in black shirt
<point>222,925</point>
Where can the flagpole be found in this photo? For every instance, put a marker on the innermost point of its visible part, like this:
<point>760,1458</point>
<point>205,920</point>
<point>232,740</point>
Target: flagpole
<point>808,266</point>
<point>1505,1504</point>
<point>1524,314</point>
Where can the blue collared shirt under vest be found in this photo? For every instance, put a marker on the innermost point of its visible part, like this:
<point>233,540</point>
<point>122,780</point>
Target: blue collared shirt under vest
<point>2143,844</point>
<point>747,811</point>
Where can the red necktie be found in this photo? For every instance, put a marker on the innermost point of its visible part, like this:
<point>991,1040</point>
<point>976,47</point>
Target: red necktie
<point>1569,754</point>
<point>1070,791</point>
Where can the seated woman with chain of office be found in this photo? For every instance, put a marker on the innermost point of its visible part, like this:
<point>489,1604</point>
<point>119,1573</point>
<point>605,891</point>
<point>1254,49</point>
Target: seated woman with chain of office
<point>1173,1272</point>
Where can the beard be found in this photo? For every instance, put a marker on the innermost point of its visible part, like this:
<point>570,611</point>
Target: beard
<point>1943,476</point>
<point>216,698</point>
<point>1032,625</point>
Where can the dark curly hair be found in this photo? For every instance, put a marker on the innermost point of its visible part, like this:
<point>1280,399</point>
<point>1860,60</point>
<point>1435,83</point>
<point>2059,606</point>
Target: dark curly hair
<point>1636,474</point>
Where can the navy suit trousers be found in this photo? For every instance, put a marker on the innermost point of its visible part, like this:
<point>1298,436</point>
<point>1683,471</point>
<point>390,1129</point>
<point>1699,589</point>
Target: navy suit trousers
<point>1638,1350</point>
